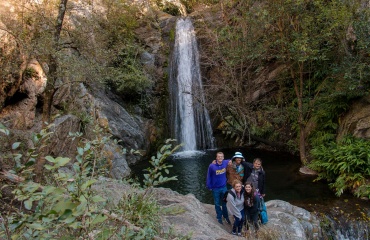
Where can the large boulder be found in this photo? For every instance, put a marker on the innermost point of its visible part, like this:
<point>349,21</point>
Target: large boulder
<point>356,121</point>
<point>60,144</point>
<point>95,105</point>
<point>187,216</point>
<point>291,222</point>
<point>129,128</point>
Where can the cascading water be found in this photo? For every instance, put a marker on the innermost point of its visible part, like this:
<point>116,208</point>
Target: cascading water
<point>190,123</point>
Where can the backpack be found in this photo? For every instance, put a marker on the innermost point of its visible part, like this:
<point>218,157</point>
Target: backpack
<point>224,198</point>
<point>263,211</point>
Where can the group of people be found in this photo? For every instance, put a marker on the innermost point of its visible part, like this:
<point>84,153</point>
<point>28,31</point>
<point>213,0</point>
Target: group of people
<point>243,200</point>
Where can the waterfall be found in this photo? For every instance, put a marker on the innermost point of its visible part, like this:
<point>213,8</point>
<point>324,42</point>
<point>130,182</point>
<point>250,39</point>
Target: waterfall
<point>190,123</point>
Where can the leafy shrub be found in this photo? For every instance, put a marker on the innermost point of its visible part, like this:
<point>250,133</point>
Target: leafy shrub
<point>155,177</point>
<point>140,209</point>
<point>126,74</point>
<point>345,164</point>
<point>65,206</point>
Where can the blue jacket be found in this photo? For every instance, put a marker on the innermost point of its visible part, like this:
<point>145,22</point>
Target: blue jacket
<point>216,176</point>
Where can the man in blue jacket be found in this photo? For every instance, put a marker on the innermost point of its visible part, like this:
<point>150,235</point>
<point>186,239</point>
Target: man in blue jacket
<point>216,182</point>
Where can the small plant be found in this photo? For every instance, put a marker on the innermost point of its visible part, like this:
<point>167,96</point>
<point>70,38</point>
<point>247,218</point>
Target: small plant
<point>345,164</point>
<point>23,163</point>
<point>142,211</point>
<point>155,177</point>
<point>30,73</point>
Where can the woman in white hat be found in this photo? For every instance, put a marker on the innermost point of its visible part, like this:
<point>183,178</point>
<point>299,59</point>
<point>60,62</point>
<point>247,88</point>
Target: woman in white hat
<point>235,170</point>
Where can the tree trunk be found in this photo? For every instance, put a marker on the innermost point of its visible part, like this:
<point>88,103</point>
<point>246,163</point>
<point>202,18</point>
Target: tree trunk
<point>49,91</point>
<point>53,65</point>
<point>298,88</point>
<point>50,85</point>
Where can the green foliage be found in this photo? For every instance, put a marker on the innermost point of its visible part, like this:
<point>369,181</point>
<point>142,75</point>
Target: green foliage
<point>123,71</point>
<point>313,53</point>
<point>100,45</point>
<point>141,210</point>
<point>173,210</point>
<point>172,34</point>
<point>345,164</point>
<point>126,73</point>
<point>65,206</point>
<point>231,127</point>
<point>171,9</point>
<point>30,73</point>
<point>22,163</point>
<point>86,120</point>
<point>155,177</point>
<point>325,115</point>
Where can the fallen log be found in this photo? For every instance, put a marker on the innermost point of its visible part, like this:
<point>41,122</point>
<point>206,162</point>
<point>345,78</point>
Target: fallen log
<point>11,177</point>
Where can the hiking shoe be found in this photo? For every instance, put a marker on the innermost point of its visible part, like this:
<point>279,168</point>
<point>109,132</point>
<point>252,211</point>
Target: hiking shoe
<point>227,220</point>
<point>233,233</point>
<point>239,234</point>
<point>219,221</point>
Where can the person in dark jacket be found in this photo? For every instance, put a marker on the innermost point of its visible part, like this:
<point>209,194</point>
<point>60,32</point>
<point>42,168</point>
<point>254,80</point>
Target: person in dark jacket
<point>255,174</point>
<point>251,204</point>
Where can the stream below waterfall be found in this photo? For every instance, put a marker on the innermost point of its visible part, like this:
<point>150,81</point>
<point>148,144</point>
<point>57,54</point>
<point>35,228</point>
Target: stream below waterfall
<point>346,214</point>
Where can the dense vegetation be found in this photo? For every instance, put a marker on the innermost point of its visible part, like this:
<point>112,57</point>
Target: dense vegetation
<point>315,56</point>
<point>65,205</point>
<point>345,164</point>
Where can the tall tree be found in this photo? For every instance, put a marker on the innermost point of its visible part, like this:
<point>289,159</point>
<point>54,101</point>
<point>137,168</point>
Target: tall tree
<point>308,36</point>
<point>53,63</point>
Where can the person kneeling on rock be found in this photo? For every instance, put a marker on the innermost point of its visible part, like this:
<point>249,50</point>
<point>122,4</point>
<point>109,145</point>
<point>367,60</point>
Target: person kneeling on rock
<point>235,205</point>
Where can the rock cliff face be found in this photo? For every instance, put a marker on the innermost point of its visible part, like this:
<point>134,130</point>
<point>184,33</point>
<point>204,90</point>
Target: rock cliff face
<point>19,104</point>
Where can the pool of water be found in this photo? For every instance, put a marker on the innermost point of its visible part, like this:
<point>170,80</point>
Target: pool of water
<point>283,180</point>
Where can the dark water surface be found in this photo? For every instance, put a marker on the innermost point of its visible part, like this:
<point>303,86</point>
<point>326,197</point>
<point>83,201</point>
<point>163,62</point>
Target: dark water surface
<point>283,180</point>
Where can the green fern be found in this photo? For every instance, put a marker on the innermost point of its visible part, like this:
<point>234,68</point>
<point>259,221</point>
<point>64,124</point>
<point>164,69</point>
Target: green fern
<point>345,164</point>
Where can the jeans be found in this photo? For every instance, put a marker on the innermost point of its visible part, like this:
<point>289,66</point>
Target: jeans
<point>238,223</point>
<point>252,219</point>
<point>220,205</point>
